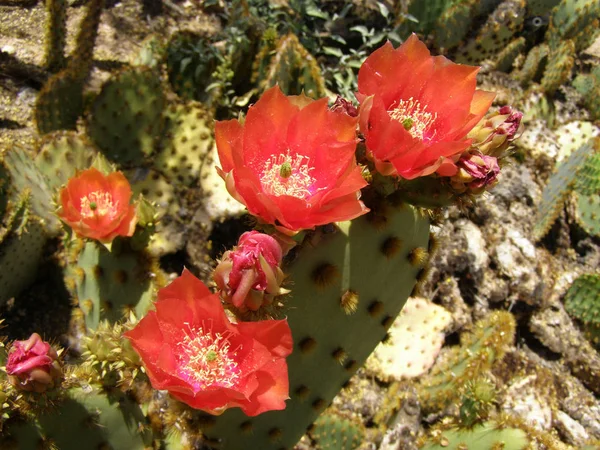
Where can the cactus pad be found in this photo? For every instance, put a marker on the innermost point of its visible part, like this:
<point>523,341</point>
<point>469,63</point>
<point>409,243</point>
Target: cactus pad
<point>186,142</point>
<point>560,64</point>
<point>560,184</point>
<point>349,315</point>
<point>582,300</point>
<point>479,349</point>
<point>334,431</point>
<point>416,338</point>
<point>126,117</point>
<point>60,103</point>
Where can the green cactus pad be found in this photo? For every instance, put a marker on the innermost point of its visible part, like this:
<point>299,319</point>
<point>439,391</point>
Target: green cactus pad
<point>479,349</point>
<point>187,139</point>
<point>533,65</point>
<point>293,68</point>
<point>87,420</point>
<point>588,212</point>
<point>560,184</point>
<point>496,33</point>
<point>426,14</point>
<point>489,435</point>
<point>349,315</point>
<point>126,117</point>
<point>574,19</point>
<point>573,135</point>
<point>454,23</point>
<point>56,34</point>
<point>62,154</point>
<point>156,189</point>
<point>560,64</point>
<point>582,300</point>
<point>335,431</point>
<point>588,180</point>
<point>505,59</point>
<point>540,7</point>
<point>25,175</point>
<point>20,255</point>
<point>109,284</point>
<point>60,103</point>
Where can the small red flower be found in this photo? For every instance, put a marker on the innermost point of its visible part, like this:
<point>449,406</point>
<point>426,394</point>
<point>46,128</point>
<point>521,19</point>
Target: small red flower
<point>190,348</point>
<point>97,206</point>
<point>417,109</point>
<point>33,364</point>
<point>292,162</point>
<point>249,276</point>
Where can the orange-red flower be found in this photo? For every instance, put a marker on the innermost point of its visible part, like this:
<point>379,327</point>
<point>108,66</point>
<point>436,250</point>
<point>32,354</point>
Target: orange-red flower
<point>97,206</point>
<point>292,162</point>
<point>190,348</point>
<point>416,109</point>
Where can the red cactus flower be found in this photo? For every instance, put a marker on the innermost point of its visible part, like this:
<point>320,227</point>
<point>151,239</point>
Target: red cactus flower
<point>33,365</point>
<point>97,206</point>
<point>249,276</point>
<point>190,348</point>
<point>292,162</point>
<point>416,109</point>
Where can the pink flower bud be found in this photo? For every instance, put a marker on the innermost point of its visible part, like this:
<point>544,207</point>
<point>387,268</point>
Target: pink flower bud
<point>495,132</point>
<point>33,365</point>
<point>344,106</point>
<point>249,276</point>
<point>476,172</point>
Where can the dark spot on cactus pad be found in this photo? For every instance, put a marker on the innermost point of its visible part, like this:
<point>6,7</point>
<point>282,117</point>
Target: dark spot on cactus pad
<point>307,345</point>
<point>349,301</point>
<point>386,338</point>
<point>324,275</point>
<point>302,392</point>
<point>98,271</point>
<point>275,434</point>
<point>120,276</point>
<point>246,426</point>
<point>346,384</point>
<point>418,257</point>
<point>339,354</point>
<point>206,422</point>
<point>351,365</point>
<point>107,306</point>
<point>318,404</point>
<point>375,308</point>
<point>387,321</point>
<point>391,246</point>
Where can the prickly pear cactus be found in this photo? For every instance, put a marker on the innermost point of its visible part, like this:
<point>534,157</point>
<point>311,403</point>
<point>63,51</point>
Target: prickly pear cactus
<point>126,117</point>
<point>582,300</point>
<point>350,314</point>
<point>335,431</point>
<point>559,186</point>
<point>479,349</point>
<point>85,417</point>
<point>108,285</point>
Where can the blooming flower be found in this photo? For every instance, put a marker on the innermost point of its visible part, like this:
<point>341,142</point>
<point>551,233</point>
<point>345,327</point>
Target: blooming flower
<point>292,163</point>
<point>97,206</point>
<point>33,364</point>
<point>416,109</point>
<point>190,348</point>
<point>249,276</point>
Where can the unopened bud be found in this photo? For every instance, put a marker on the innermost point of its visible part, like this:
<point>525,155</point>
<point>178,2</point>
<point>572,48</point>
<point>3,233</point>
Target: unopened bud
<point>33,365</point>
<point>344,106</point>
<point>249,276</point>
<point>476,173</point>
<point>495,132</point>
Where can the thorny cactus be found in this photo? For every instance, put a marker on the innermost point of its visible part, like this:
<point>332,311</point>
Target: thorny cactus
<point>341,193</point>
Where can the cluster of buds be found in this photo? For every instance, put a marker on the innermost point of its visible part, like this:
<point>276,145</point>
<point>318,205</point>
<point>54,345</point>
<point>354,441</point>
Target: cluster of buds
<point>33,365</point>
<point>478,168</point>
<point>249,276</point>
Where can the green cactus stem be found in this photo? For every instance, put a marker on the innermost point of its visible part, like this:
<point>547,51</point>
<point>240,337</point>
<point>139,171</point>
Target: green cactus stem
<point>343,327</point>
<point>56,34</point>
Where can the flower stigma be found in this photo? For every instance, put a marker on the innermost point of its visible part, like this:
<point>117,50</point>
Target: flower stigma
<point>98,203</point>
<point>207,361</point>
<point>414,118</point>
<point>288,175</point>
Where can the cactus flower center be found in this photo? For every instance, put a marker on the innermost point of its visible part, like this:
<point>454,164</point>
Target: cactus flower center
<point>207,361</point>
<point>288,175</point>
<point>414,118</point>
<point>99,204</point>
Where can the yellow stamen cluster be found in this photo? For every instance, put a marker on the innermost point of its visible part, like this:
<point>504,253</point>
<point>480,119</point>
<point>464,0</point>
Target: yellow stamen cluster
<point>98,204</point>
<point>207,359</point>
<point>414,118</point>
<point>288,175</point>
